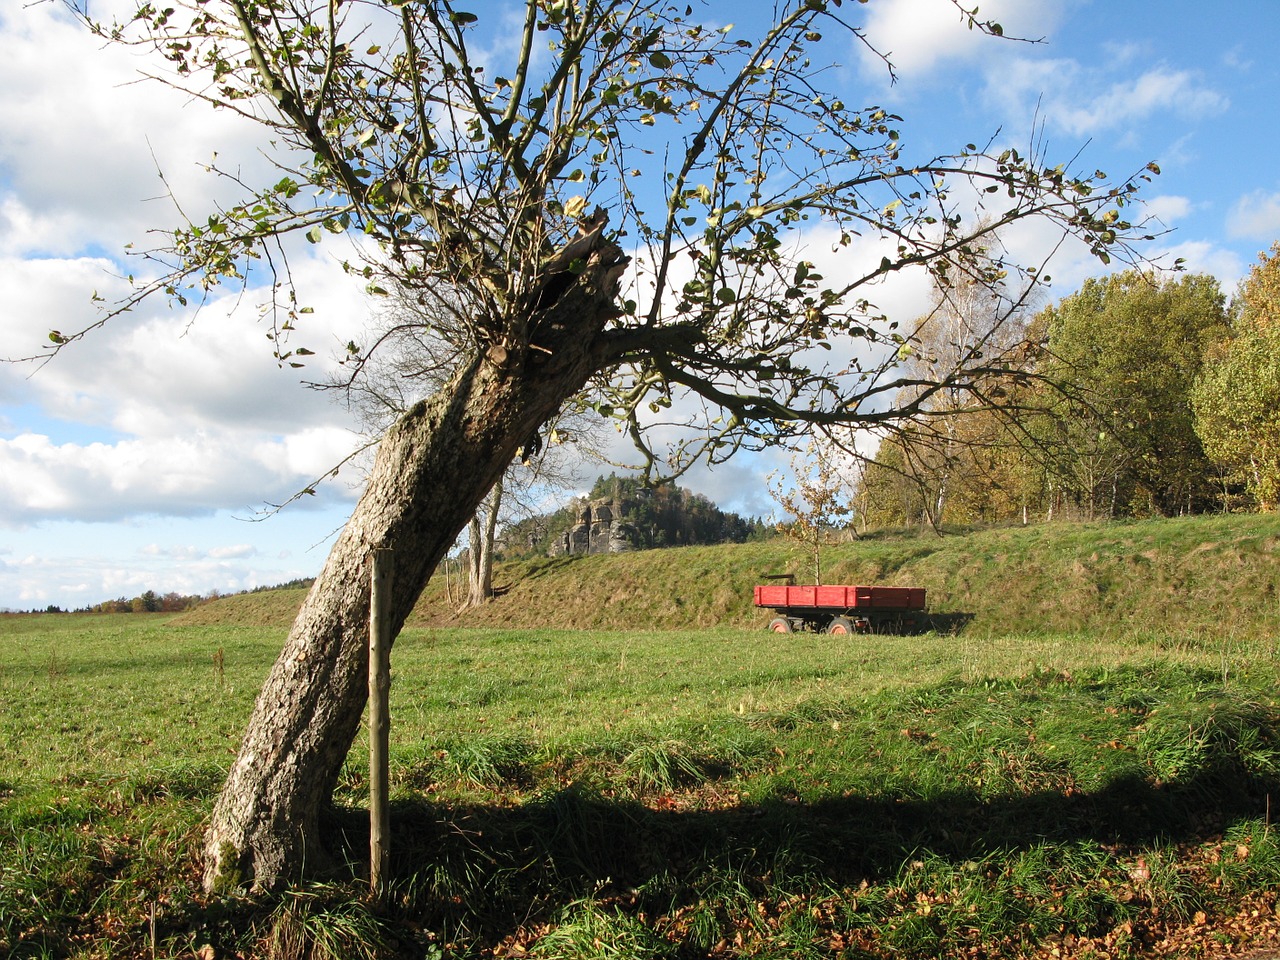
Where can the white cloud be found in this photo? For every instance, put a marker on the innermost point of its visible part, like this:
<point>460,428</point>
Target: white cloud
<point>1122,52</point>
<point>161,411</point>
<point>919,36</point>
<point>76,563</point>
<point>1202,256</point>
<point>80,580</point>
<point>191,552</point>
<point>1236,59</point>
<point>740,486</point>
<point>175,552</point>
<point>1167,209</point>
<point>1177,91</point>
<point>1255,216</point>
<point>233,553</point>
<point>178,475</point>
<point>193,414</point>
<point>86,139</point>
<point>157,369</point>
<point>1083,102</point>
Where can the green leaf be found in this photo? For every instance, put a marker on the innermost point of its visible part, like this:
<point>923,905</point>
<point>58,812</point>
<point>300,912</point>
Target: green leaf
<point>462,18</point>
<point>314,234</point>
<point>659,60</point>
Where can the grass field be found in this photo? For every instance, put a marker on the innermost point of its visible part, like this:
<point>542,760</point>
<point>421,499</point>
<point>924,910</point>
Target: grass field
<point>677,794</point>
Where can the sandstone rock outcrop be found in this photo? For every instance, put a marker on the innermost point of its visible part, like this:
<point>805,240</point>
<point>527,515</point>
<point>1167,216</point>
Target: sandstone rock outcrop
<point>600,529</point>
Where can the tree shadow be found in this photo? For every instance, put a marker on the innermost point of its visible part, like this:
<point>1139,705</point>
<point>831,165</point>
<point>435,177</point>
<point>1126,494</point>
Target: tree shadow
<point>952,623</point>
<point>491,870</point>
<point>543,566</point>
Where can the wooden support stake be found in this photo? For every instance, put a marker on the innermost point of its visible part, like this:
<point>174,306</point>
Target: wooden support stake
<point>379,720</point>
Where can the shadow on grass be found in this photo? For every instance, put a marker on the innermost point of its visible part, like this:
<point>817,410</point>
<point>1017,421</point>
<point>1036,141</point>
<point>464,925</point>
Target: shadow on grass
<point>542,566</point>
<point>952,623</point>
<point>486,872</point>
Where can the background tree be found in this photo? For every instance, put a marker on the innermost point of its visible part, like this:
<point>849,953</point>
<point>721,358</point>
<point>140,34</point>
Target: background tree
<point>504,186</point>
<point>951,461</point>
<point>971,319</point>
<point>1130,346</point>
<point>1237,396</point>
<point>819,502</point>
<point>889,494</point>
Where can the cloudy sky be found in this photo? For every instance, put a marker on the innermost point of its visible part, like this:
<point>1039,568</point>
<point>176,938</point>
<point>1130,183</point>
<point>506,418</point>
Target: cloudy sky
<point>145,457</point>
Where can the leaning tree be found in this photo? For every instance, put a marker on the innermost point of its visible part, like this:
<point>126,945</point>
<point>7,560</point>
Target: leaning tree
<point>622,200</point>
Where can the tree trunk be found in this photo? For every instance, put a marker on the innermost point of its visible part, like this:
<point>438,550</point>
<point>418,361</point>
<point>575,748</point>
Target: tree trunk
<point>483,534</point>
<point>433,468</point>
<point>487,542</point>
<point>475,549</point>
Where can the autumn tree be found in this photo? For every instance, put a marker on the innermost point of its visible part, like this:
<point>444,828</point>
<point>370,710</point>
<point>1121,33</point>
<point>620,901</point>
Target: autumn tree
<point>624,204</point>
<point>818,500</point>
<point>1125,351</point>
<point>952,450</point>
<point>1237,396</point>
<point>983,470</point>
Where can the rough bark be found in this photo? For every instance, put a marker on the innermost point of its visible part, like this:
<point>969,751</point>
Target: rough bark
<point>433,468</point>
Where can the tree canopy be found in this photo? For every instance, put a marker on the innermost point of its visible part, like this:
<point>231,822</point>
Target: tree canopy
<point>467,174</point>
<point>1236,399</point>
<point>1145,395</point>
<point>1131,345</point>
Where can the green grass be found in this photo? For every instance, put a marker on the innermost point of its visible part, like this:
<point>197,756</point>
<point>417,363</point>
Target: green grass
<point>718,792</point>
<point>660,794</point>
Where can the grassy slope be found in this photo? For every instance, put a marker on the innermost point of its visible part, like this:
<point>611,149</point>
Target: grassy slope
<point>1216,575</point>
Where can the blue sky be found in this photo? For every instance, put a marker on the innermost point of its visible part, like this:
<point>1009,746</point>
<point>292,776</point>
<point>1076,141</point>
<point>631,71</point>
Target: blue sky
<point>143,458</point>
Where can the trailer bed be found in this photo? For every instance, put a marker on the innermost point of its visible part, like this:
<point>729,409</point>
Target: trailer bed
<point>843,609</point>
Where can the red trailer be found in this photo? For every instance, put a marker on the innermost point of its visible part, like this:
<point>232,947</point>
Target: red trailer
<point>843,610</point>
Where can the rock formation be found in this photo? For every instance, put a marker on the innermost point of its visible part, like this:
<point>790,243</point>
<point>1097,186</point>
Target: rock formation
<point>600,529</point>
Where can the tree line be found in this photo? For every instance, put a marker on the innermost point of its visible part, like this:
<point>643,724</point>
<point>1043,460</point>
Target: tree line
<point>1142,394</point>
<point>149,601</point>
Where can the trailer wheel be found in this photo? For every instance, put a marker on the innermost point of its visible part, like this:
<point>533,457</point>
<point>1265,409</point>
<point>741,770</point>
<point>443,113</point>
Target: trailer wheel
<point>841,627</point>
<point>780,625</point>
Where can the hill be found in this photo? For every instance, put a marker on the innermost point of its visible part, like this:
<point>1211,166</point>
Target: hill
<point>1203,576</point>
